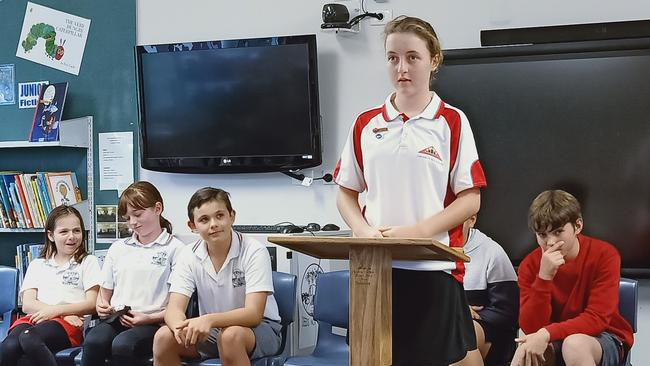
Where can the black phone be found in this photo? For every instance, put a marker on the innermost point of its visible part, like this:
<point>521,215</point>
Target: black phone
<point>118,311</point>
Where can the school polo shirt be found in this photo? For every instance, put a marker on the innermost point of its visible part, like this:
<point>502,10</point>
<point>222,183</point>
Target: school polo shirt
<point>138,273</point>
<point>247,269</point>
<point>411,168</point>
<point>62,284</point>
<point>490,263</point>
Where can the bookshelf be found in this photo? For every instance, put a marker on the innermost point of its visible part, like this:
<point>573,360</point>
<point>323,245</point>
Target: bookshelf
<point>73,151</point>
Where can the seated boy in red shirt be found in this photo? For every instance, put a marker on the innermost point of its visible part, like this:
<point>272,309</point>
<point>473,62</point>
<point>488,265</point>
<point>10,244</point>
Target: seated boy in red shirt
<point>569,291</point>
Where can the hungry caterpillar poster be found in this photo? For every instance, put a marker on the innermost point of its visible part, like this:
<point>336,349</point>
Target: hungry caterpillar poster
<point>53,38</point>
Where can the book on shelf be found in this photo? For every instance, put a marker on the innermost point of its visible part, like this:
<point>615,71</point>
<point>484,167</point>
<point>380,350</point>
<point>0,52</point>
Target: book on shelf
<point>44,192</point>
<point>32,178</point>
<point>4,221</point>
<point>63,188</point>
<point>11,197</point>
<point>22,200</point>
<point>48,112</point>
<point>30,194</point>
<point>13,192</point>
<point>25,254</point>
<point>27,198</point>
<point>6,202</point>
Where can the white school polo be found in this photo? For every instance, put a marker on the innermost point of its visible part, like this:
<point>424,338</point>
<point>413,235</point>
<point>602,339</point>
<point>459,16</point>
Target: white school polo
<point>62,284</point>
<point>411,168</point>
<point>490,263</point>
<point>247,269</point>
<point>138,273</point>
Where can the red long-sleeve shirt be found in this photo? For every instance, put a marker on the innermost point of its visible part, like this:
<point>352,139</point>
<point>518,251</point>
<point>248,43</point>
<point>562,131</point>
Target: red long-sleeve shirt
<point>581,298</point>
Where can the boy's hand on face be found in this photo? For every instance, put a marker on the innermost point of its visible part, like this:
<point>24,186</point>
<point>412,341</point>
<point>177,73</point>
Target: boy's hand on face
<point>552,259</point>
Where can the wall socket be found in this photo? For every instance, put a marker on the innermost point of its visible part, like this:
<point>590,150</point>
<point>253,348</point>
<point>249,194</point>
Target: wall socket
<point>388,16</point>
<point>312,173</point>
<point>307,173</point>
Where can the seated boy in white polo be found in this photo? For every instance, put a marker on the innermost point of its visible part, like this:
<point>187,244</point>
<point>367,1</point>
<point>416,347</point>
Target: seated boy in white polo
<point>231,274</point>
<point>493,295</point>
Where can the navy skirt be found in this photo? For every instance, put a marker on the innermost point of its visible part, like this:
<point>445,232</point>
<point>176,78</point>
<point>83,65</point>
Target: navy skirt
<point>432,325</point>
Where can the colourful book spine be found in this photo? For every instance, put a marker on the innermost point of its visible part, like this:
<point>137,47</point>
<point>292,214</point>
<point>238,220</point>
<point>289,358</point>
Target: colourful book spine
<point>44,192</point>
<point>23,201</point>
<point>35,250</point>
<point>31,200</point>
<point>37,198</point>
<point>6,197</point>
<point>49,189</point>
<point>25,257</point>
<point>17,259</point>
<point>16,203</point>
<point>4,222</point>
<point>19,264</point>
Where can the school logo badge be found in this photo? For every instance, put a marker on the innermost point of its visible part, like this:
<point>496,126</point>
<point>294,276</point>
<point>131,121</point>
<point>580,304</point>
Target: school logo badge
<point>159,259</point>
<point>430,151</point>
<point>70,278</point>
<point>238,278</point>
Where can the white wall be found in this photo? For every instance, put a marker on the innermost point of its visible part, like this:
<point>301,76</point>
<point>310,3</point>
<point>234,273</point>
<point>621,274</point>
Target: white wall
<point>352,78</point>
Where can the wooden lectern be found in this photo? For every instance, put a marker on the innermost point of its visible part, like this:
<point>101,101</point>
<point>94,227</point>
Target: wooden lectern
<point>370,284</point>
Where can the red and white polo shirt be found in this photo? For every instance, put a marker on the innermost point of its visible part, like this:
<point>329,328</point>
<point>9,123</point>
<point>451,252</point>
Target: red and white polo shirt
<point>411,168</point>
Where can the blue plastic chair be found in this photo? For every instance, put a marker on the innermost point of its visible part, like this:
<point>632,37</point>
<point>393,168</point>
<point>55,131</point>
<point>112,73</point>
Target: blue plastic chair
<point>8,296</point>
<point>331,304</point>
<point>67,356</point>
<point>628,298</point>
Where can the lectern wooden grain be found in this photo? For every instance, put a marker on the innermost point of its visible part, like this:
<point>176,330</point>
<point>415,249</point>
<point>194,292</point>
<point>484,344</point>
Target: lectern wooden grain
<point>370,284</point>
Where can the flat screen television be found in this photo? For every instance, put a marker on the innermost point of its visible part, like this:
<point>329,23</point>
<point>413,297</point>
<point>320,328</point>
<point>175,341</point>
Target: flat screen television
<point>229,106</point>
<point>572,116</point>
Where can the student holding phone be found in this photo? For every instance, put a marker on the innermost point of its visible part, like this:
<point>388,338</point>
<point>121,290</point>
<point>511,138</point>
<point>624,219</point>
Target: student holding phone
<point>134,291</point>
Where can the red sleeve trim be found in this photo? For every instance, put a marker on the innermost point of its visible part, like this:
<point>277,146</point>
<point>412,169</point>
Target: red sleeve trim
<point>452,118</point>
<point>336,169</point>
<point>359,125</point>
<point>478,175</point>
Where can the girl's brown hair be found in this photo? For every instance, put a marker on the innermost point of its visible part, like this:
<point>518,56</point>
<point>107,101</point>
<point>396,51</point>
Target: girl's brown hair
<point>142,195</point>
<point>49,250</point>
<point>422,29</point>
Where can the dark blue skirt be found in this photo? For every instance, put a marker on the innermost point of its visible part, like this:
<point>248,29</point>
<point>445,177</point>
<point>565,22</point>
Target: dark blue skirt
<point>432,325</point>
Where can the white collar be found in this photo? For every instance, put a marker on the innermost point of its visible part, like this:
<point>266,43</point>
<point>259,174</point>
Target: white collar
<point>163,239</point>
<point>432,110</point>
<point>200,248</point>
<point>52,263</point>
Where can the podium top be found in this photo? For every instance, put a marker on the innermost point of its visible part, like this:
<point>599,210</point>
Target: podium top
<point>328,247</point>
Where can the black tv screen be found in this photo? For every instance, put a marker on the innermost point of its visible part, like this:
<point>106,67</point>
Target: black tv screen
<point>572,116</point>
<point>248,105</point>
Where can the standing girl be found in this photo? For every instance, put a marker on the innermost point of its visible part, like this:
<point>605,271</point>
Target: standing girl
<point>415,158</point>
<point>135,274</point>
<point>59,288</point>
